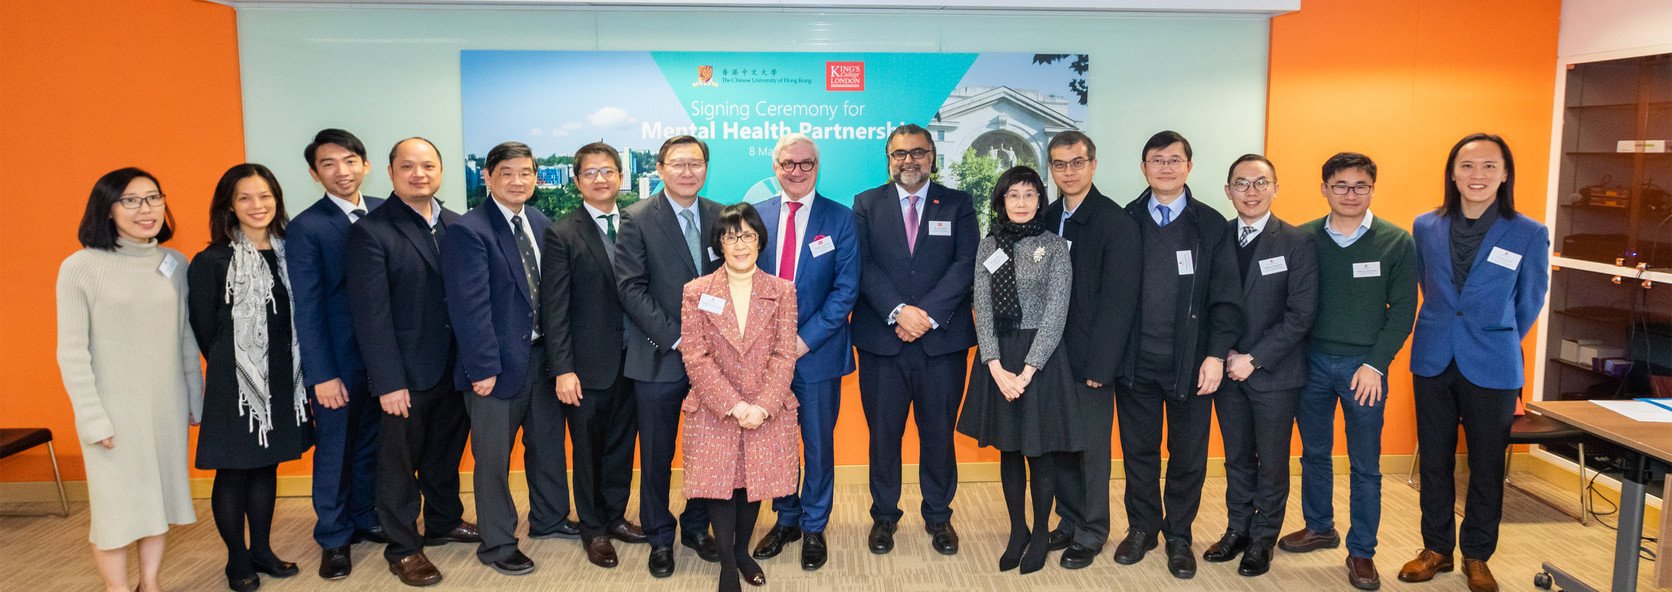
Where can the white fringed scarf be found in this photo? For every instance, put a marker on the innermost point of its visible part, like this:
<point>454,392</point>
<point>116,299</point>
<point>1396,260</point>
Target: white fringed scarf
<point>249,289</point>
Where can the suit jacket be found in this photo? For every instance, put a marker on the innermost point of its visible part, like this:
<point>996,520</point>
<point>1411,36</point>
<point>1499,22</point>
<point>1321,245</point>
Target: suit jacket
<point>937,277</point>
<point>580,309</point>
<point>1106,253</point>
<point>1279,305</point>
<point>488,297</point>
<point>652,265</point>
<point>830,279</point>
<point>314,243</point>
<point>396,298</point>
<point>729,366</point>
<point>1482,326</point>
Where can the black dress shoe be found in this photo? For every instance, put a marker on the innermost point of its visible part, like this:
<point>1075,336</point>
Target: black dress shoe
<point>1132,548</point>
<point>465,532</point>
<point>249,584</point>
<point>773,543</point>
<point>374,534</point>
<point>703,544</point>
<point>627,532</point>
<point>881,539</point>
<point>567,529</point>
<point>813,551</point>
<point>1256,560</point>
<point>274,566</point>
<point>1180,561</point>
<point>1077,556</point>
<point>751,572</point>
<point>943,537</point>
<point>1059,540</point>
<point>336,564</point>
<point>1227,548</point>
<point>516,564</point>
<point>661,561</point>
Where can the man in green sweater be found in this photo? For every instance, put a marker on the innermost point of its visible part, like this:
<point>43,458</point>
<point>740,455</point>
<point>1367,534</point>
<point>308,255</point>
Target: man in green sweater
<point>1367,286</point>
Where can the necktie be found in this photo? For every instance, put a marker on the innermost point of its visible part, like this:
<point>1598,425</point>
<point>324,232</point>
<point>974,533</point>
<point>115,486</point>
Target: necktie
<point>531,264</point>
<point>911,223</point>
<point>1166,214</point>
<point>1247,234</point>
<point>609,223</point>
<point>356,215</point>
<point>786,256</point>
<point>690,230</point>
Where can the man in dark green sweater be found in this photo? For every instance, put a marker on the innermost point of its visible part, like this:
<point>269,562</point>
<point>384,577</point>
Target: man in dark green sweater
<point>1367,286</point>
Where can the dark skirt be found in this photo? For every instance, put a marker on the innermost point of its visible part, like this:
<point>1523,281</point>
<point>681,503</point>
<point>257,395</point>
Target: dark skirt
<point>1041,421</point>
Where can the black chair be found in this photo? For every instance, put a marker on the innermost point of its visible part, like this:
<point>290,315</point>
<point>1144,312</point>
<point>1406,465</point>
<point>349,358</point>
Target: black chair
<point>15,440</point>
<point>1530,428</point>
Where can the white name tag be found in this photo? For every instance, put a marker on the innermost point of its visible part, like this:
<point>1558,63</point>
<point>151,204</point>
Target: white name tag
<point>1187,263</point>
<point>712,304</point>
<point>1273,265</point>
<point>994,262</point>
<point>821,246</point>
<point>711,255</point>
<point>1505,258</point>
<point>1367,269</point>
<point>940,228</point>
<point>169,264</point>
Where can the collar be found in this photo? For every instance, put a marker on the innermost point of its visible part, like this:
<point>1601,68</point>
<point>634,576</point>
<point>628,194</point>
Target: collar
<point>1177,207</point>
<point>348,207</point>
<point>679,208</point>
<point>594,213</point>
<point>1363,226</point>
<point>1258,225</point>
<point>508,213</point>
<point>922,193</point>
<point>805,200</point>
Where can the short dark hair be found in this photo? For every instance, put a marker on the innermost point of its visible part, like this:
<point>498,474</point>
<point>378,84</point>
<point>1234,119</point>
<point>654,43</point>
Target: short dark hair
<point>1231,173</point>
<point>912,129</point>
<point>1506,192</point>
<point>1349,160</point>
<point>98,230</point>
<point>397,146</point>
<point>734,218</point>
<point>1068,139</point>
<point>336,136</point>
<point>1017,175</point>
<point>222,220</point>
<point>668,146</point>
<point>503,152</point>
<point>1163,139</point>
<point>596,148</point>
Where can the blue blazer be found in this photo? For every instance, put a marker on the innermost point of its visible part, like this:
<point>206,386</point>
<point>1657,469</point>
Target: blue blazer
<point>314,244</point>
<point>1482,326</point>
<point>938,277</point>
<point>488,298</point>
<point>831,280</point>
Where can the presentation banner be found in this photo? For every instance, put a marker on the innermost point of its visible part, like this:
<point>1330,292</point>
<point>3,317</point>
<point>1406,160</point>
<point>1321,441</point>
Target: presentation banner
<point>985,111</point>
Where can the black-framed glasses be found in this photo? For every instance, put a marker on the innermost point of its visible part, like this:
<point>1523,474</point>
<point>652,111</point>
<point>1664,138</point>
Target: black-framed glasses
<point>805,166</point>
<point>1078,164</point>
<point>1161,163</point>
<point>745,237</point>
<point>132,202</point>
<point>1343,189</point>
<point>1259,185</point>
<point>914,153</point>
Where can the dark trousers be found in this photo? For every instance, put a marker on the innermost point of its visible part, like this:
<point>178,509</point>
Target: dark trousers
<point>545,458</point>
<point>1141,407</point>
<point>734,523</point>
<point>345,466</point>
<point>602,431</point>
<point>1257,427</point>
<point>494,424</point>
<point>1327,385</point>
<point>429,441</point>
<point>658,414</point>
<point>1443,402</point>
<point>933,387</point>
<point>820,402</point>
<point>1082,478</point>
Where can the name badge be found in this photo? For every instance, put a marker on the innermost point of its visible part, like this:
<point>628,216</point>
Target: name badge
<point>1273,265</point>
<point>169,264</point>
<point>994,262</point>
<point>821,246</point>
<point>1504,258</point>
<point>940,228</point>
<point>711,255</point>
<point>1367,269</point>
<point>1187,263</point>
<point>712,304</point>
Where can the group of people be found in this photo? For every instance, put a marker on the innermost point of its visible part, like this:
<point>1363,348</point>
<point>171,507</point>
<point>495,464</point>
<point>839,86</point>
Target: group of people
<point>384,333</point>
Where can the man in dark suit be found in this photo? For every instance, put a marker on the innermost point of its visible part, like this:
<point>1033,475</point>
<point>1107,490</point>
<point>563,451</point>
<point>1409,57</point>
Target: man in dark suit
<point>344,413</point>
<point>661,246</point>
<point>397,302</point>
<point>1278,265</point>
<point>1189,317</point>
<point>491,261</point>
<point>580,313</point>
<point>1104,250</point>
<point>811,242</point>
<point>913,328</point>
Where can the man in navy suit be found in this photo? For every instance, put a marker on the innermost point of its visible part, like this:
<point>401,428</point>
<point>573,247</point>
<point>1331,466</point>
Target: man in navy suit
<point>811,242</point>
<point>491,261</point>
<point>913,327</point>
<point>344,413</point>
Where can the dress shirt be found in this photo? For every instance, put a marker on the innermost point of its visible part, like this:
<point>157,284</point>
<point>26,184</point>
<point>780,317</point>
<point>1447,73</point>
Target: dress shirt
<point>1175,209</point>
<point>802,216</point>
<point>1345,241</point>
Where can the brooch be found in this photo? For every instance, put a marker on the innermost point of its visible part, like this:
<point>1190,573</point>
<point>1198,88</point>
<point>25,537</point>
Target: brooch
<point>1038,254</point>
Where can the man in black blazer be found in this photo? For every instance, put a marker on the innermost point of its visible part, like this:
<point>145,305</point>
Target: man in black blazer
<point>1104,251</point>
<point>1189,317</point>
<point>580,313</point>
<point>661,246</point>
<point>913,328</point>
<point>398,305</point>
<point>1278,265</point>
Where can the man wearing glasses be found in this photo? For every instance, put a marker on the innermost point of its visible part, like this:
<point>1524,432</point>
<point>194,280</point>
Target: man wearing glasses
<point>1104,249</point>
<point>1367,267</point>
<point>913,328</point>
<point>811,242</point>
<point>660,247</point>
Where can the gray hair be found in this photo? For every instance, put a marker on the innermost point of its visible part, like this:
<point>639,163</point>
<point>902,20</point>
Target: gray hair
<point>791,139</point>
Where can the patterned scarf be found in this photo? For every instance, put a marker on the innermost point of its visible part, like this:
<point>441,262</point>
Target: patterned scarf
<point>249,289</point>
<point>1007,308</point>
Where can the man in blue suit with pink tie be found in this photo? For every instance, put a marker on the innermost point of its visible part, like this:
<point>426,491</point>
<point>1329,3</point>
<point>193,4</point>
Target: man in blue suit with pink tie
<point>811,241</point>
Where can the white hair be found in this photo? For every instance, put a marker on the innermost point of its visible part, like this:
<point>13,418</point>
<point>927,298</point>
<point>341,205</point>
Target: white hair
<point>791,139</point>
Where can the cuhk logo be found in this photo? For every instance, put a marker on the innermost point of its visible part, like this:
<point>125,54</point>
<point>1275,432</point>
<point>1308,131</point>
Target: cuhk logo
<point>705,76</point>
<point>844,76</point>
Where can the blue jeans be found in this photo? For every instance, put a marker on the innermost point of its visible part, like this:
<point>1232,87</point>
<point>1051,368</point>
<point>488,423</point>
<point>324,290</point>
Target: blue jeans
<point>1328,377</point>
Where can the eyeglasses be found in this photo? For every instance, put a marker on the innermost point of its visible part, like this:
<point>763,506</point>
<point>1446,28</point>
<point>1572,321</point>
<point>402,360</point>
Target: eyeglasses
<point>805,166</point>
<point>598,173</point>
<point>1162,163</point>
<point>1343,189</point>
<point>914,153</point>
<point>686,166</point>
<point>1259,185</point>
<point>131,202</point>
<point>744,237</point>
<point>1078,164</point>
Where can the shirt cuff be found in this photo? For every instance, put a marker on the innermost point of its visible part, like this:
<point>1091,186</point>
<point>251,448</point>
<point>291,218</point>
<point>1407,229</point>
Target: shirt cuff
<point>1373,369</point>
<point>895,312</point>
<point>676,343</point>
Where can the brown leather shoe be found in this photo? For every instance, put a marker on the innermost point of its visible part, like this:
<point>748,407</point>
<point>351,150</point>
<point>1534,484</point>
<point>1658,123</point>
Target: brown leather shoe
<point>415,570</point>
<point>1480,578</point>
<point>1423,568</point>
<point>600,552</point>
<point>1306,539</point>
<point>1361,573</point>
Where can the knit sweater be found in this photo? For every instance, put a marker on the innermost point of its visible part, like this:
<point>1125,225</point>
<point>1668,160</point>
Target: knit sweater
<point>1367,293</point>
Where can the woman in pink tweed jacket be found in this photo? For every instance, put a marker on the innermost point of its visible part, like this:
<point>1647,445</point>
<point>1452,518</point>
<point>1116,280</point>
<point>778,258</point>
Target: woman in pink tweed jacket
<point>740,437</point>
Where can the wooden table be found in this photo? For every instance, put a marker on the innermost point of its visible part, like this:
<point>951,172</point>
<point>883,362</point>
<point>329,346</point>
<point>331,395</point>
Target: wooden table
<point>1651,448</point>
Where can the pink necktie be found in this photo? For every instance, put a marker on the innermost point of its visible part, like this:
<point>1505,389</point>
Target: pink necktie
<point>911,223</point>
<point>786,256</point>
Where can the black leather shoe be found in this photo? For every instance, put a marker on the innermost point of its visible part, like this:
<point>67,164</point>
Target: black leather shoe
<point>703,544</point>
<point>1059,540</point>
<point>1256,560</point>
<point>881,539</point>
<point>374,534</point>
<point>751,572</point>
<point>336,564</point>
<point>813,551</point>
<point>1077,556</point>
<point>661,561</point>
<point>465,532</point>
<point>627,532</point>
<point>1132,548</point>
<point>567,529</point>
<point>943,537</point>
<point>249,584</point>
<point>274,566</point>
<point>773,543</point>
<point>1180,561</point>
<point>1227,548</point>
<point>517,564</point>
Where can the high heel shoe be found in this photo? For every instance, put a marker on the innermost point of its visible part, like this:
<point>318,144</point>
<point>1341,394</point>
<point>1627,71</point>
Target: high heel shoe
<point>273,566</point>
<point>1013,551</point>
<point>1034,559</point>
